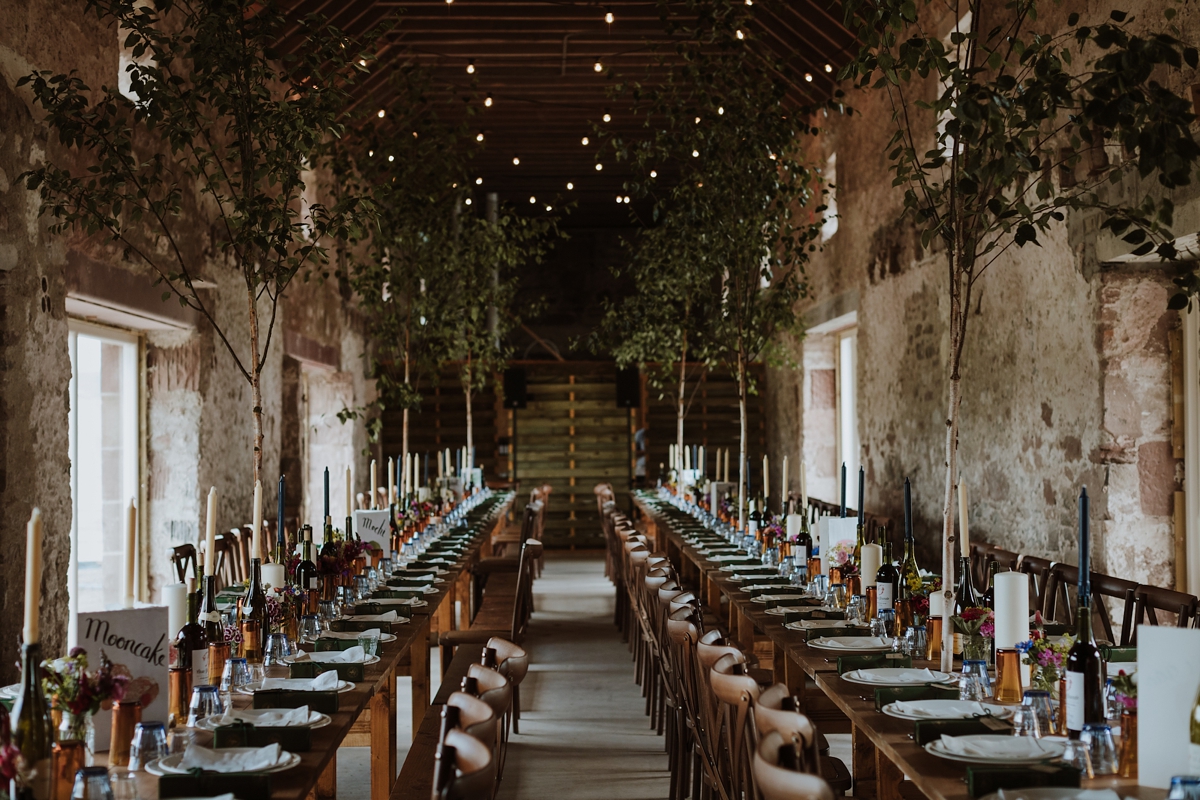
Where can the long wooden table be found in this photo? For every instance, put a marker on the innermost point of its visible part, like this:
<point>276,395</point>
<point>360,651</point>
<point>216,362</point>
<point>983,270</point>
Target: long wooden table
<point>366,714</point>
<point>884,751</point>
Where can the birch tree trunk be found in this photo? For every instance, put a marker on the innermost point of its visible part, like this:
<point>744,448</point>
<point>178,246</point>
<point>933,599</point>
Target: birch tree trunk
<point>404,424</point>
<point>255,387</point>
<point>470,423</point>
<point>741,492</point>
<point>682,395</point>
<point>958,324</point>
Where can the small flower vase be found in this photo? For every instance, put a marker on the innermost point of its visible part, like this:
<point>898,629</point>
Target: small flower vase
<point>976,648</point>
<point>79,728</point>
<point>1127,765</point>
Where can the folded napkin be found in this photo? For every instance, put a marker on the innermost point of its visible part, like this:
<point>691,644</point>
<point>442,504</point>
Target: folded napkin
<point>353,655</point>
<point>907,676</point>
<point>843,642</point>
<point>1043,793</point>
<point>351,634</point>
<point>269,717</point>
<point>395,601</point>
<point>958,709</point>
<point>325,682</point>
<point>388,617</point>
<point>256,760</point>
<point>997,746</point>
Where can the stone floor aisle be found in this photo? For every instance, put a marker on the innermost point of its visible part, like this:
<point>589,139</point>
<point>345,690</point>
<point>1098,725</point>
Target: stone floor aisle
<point>583,731</point>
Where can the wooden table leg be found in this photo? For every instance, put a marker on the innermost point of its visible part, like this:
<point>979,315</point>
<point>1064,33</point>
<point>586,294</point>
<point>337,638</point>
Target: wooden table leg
<point>864,754</point>
<point>327,782</point>
<point>382,723</point>
<point>744,629</point>
<point>887,778</point>
<point>462,594</point>
<point>419,658</point>
<point>795,678</point>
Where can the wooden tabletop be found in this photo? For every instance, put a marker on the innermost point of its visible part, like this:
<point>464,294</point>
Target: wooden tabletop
<point>884,751</point>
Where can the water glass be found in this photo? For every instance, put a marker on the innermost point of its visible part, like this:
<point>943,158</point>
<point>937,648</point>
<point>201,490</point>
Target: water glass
<point>149,742</point>
<point>1112,706</point>
<point>856,610</point>
<point>328,612</point>
<point>1101,748</point>
<point>369,642</point>
<point>878,628</point>
<point>310,628</point>
<point>124,785</point>
<point>1039,700</point>
<point>362,588</point>
<point>1025,722</point>
<point>179,739</point>
<point>1184,787</point>
<point>234,677</point>
<point>386,567</point>
<point>974,682</point>
<point>907,643</point>
<point>206,702</point>
<point>92,783</point>
<point>1077,755</point>
<point>275,655</point>
<point>888,616</point>
<point>818,586</point>
<point>837,596</point>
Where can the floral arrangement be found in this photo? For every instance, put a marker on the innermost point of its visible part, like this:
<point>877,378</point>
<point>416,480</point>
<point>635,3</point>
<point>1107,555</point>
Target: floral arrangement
<point>10,756</point>
<point>975,621</point>
<point>842,557</point>
<point>1126,687</point>
<point>233,636</point>
<point>1047,658</point>
<point>71,688</point>
<point>775,531</point>
<point>281,605</point>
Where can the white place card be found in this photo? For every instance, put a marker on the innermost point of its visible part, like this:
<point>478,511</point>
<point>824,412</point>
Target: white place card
<point>372,526</point>
<point>716,492</point>
<point>1168,679</point>
<point>136,641</point>
<point>832,531</point>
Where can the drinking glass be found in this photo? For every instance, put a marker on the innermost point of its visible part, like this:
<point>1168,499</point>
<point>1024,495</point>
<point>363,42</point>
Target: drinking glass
<point>856,610</point>
<point>275,655</point>
<point>178,739</point>
<point>878,628</point>
<point>256,676</point>
<point>310,628</point>
<point>362,588</point>
<point>1112,706</point>
<point>149,742</point>
<point>920,642</point>
<point>386,567</point>
<point>369,642</point>
<point>92,783</point>
<point>328,612</point>
<point>1101,747</point>
<point>1077,755</point>
<point>235,676</point>
<point>1184,787</point>
<point>889,621</point>
<point>124,785</point>
<point>974,682</point>
<point>907,643</point>
<point>818,586</point>
<point>1025,722</point>
<point>837,596</point>
<point>206,702</point>
<point>1039,700</point>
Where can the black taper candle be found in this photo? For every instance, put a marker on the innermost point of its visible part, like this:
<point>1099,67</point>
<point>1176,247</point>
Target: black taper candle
<point>843,490</point>
<point>325,516</point>
<point>279,536</point>
<point>908,533</point>
<point>1085,579</point>
<point>862,487</point>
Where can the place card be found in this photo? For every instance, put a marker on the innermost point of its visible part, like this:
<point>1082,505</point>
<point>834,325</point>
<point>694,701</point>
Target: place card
<point>372,526</point>
<point>1167,684</point>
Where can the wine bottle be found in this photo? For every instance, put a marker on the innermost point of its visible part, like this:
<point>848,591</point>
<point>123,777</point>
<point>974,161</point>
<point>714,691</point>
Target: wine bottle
<point>395,544</point>
<point>910,575</point>
<point>860,535</point>
<point>254,615</point>
<point>989,594</point>
<point>804,540</point>
<point>1085,668</point>
<point>327,568</point>
<point>964,596</point>
<point>306,575</point>
<point>191,644</point>
<point>887,580</point>
<point>32,732</point>
<point>1194,746</point>
<point>210,616</point>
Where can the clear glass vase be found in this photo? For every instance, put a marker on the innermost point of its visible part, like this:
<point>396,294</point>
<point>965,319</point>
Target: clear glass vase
<point>977,648</point>
<point>79,728</point>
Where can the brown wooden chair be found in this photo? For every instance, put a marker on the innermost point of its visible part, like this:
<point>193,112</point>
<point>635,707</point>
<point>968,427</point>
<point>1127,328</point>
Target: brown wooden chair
<point>465,768</point>
<point>1062,602</point>
<point>776,776</point>
<point>226,569</point>
<point>241,538</point>
<point>183,558</point>
<point>1038,570</point>
<point>1149,600</point>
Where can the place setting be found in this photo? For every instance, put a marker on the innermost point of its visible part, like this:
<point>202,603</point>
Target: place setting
<point>269,759</point>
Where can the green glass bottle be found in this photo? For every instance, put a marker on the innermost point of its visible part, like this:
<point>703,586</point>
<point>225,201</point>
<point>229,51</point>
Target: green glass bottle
<point>32,732</point>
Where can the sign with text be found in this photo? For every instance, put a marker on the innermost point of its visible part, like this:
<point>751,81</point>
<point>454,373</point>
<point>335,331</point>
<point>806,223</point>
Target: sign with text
<point>137,643</point>
<point>372,526</point>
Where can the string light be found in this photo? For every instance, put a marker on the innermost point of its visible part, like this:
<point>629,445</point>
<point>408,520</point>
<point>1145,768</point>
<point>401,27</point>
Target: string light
<point>479,181</point>
<point>697,120</point>
<point>391,158</point>
<point>626,199</point>
<point>414,134</point>
<point>608,17</point>
<point>471,67</point>
<point>549,208</point>
<point>599,167</point>
<point>570,186</point>
<point>467,201</point>
<point>584,141</point>
<point>721,110</point>
<point>479,136</point>
<point>829,67</point>
<point>808,77</point>
<point>532,199</point>
<point>381,113</point>
<point>370,154</point>
<point>653,173</point>
<point>362,62</point>
<point>598,66</point>
<point>695,154</point>
<point>487,101</point>
<point>516,161</point>
<point>741,35</point>
<point>607,117</point>
<point>619,200</point>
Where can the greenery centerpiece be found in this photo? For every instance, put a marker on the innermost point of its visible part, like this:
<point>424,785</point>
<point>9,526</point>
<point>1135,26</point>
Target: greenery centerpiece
<point>978,627</point>
<point>1046,657</point>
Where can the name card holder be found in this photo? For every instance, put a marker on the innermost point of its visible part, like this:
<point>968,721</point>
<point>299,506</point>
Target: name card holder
<point>244,734</point>
<point>986,780</point>
<point>350,625</point>
<point>324,702</point>
<point>311,669</point>
<point>886,695</point>
<point>380,608</point>
<point>212,784</point>
<point>926,730</point>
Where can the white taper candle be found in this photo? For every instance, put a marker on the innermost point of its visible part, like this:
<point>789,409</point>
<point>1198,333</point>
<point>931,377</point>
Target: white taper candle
<point>33,576</point>
<point>130,552</point>
<point>210,536</point>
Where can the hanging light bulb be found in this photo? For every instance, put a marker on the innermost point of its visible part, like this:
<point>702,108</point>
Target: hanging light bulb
<point>627,199</point>
<point>487,101</point>
<point>653,173</point>
<point>362,62</point>
<point>570,186</point>
<point>808,77</point>
<point>414,134</point>
<point>479,136</point>
<point>619,200</point>
<point>695,154</point>
<point>721,110</point>
<point>741,35</point>
<point>467,201</point>
<point>391,158</point>
<point>697,120</point>
<point>532,200</point>
<point>599,167</point>
<point>549,208</point>
<point>608,17</point>
<point>381,113</point>
<point>598,66</point>
<point>471,67</point>
<point>607,117</point>
<point>370,154</point>
<point>584,141</point>
<point>516,161</point>
<point>829,67</point>
<point>479,181</point>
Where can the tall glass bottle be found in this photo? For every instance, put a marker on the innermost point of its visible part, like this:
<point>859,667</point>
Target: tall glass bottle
<point>989,594</point>
<point>804,540</point>
<point>328,565</point>
<point>191,644</point>
<point>32,732</point>
<point>210,616</point>
<point>254,615</point>
<point>306,575</point>
<point>910,574</point>
<point>860,538</point>
<point>887,581</point>
<point>1085,676</point>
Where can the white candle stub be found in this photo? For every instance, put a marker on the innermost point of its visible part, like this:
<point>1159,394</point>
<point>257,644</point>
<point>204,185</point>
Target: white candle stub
<point>937,605</point>
<point>872,558</point>
<point>1012,609</point>
<point>175,599</point>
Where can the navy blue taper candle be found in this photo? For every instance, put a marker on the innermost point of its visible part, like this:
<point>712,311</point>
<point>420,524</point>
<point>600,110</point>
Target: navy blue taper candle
<point>862,487</point>
<point>908,534</point>
<point>279,537</point>
<point>843,490</point>
<point>1085,579</point>
<point>326,514</point>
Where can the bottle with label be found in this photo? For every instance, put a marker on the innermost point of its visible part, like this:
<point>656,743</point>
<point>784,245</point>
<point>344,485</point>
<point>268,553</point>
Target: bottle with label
<point>910,575</point>
<point>327,568</point>
<point>989,594</point>
<point>32,732</point>
<point>254,615</point>
<point>860,538</point>
<point>1194,745</point>
<point>210,616</point>
<point>191,645</point>
<point>306,575</point>
<point>1085,676</point>
<point>964,596</point>
<point>887,580</point>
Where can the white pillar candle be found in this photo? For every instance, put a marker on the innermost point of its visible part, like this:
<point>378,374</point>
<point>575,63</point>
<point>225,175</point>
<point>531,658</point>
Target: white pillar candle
<point>784,483</point>
<point>33,576</point>
<point>130,553</point>
<point>701,461</point>
<point>962,518</point>
<point>440,471</point>
<point>273,576</point>
<point>175,599</point>
<point>449,465</point>
<point>256,540</point>
<point>374,482</point>
<point>803,487</point>
<point>1012,608</point>
<point>872,558</point>
<point>415,472</point>
<point>391,487</point>
<point>727,465</point>
<point>937,604</point>
<point>793,526</point>
<point>349,494</point>
<point>766,479</point>
<point>210,537</point>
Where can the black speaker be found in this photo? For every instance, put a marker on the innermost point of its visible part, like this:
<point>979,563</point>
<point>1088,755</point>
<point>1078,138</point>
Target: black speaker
<point>514,388</point>
<point>629,388</point>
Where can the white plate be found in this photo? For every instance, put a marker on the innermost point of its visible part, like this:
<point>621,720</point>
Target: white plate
<point>247,715</point>
<point>352,635</point>
<point>806,624</point>
<point>947,709</point>
<point>780,611</point>
<point>343,686</point>
<point>1054,749</point>
<point>843,644</point>
<point>889,676</point>
<point>365,662</point>
<point>169,765</point>
<point>763,598</point>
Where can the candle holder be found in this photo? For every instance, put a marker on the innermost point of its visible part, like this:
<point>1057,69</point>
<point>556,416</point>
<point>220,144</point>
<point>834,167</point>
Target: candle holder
<point>872,595</point>
<point>125,717</point>
<point>933,638</point>
<point>179,692</point>
<point>1008,675</point>
<point>218,654</point>
<point>68,757</point>
<point>854,584</point>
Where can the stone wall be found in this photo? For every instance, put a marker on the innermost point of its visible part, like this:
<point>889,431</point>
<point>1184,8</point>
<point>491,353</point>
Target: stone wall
<point>1067,371</point>
<point>198,422</point>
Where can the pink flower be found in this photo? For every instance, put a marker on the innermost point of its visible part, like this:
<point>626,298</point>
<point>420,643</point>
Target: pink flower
<point>9,756</point>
